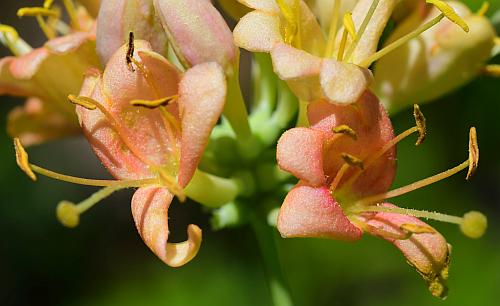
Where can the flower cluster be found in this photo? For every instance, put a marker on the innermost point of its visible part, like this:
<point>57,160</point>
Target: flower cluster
<point>154,87</point>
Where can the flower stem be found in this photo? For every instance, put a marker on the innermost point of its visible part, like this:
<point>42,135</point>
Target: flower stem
<point>265,235</point>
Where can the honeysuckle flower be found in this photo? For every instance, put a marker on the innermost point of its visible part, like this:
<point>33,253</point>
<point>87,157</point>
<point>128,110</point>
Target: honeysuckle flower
<point>333,69</point>
<point>346,162</point>
<point>148,123</point>
<point>37,74</point>
<point>437,62</point>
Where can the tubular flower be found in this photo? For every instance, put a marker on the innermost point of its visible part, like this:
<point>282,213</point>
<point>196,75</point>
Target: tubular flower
<point>148,123</point>
<point>37,74</point>
<point>346,162</point>
<point>438,61</point>
<point>334,68</point>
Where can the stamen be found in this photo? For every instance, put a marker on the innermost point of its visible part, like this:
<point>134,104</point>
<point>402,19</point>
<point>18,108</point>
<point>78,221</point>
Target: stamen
<point>345,130</point>
<point>348,29</point>
<point>130,51</point>
<point>298,38</point>
<point>84,102</point>
<point>73,16</point>
<point>362,27</point>
<point>36,11</point>
<point>289,15</point>
<point>416,229</point>
<point>22,159</point>
<point>10,38</point>
<point>48,3</point>
<point>448,11</point>
<point>172,185</point>
<point>338,177</point>
<point>343,41</point>
<point>349,25</point>
<point>473,152</point>
<point>496,41</point>
<point>332,35</point>
<point>484,8</point>
<point>492,70</point>
<point>352,160</point>
<point>398,43</point>
<point>420,121</point>
<point>154,103</point>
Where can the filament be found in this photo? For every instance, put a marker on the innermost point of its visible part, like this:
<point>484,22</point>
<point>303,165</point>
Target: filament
<point>362,28</point>
<point>332,35</point>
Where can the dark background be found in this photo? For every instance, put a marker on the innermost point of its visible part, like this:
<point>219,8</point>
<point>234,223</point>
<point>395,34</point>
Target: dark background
<point>104,262</point>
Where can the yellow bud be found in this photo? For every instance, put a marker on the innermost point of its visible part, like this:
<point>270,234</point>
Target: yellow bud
<point>474,224</point>
<point>68,214</point>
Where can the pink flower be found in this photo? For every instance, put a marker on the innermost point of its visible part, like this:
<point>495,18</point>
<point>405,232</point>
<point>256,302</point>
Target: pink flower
<point>147,121</point>
<point>346,162</point>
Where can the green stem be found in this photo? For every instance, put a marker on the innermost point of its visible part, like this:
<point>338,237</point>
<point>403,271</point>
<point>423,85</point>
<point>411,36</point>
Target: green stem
<point>265,235</point>
<point>211,190</point>
<point>264,81</point>
<point>235,110</point>
<point>302,119</point>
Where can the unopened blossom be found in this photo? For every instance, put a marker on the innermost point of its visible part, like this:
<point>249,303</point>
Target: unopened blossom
<point>346,162</point>
<point>38,73</point>
<point>436,62</point>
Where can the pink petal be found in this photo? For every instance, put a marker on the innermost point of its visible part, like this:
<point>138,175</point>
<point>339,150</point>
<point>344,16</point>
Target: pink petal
<point>197,31</point>
<point>369,120</point>
<point>150,211</point>
<point>202,93</point>
<point>258,31</point>
<point>68,43</point>
<point>300,151</point>
<point>428,253</point>
<point>312,212</point>
<point>300,69</point>
<point>119,17</point>
<point>344,83</point>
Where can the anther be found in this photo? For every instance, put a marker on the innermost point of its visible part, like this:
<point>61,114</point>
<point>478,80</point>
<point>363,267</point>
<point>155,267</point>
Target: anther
<point>154,103</point>
<point>352,160</point>
<point>68,214</point>
<point>416,229</point>
<point>474,224</point>
<point>36,11</point>
<point>84,102</point>
<point>130,51</point>
<point>345,130</point>
<point>492,70</point>
<point>420,121</point>
<point>473,152</point>
<point>349,25</point>
<point>48,3</point>
<point>22,159</point>
<point>448,11</point>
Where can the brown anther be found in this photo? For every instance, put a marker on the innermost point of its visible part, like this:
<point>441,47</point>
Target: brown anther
<point>353,161</point>
<point>345,130</point>
<point>420,121</point>
<point>130,51</point>
<point>154,103</point>
<point>84,102</point>
<point>473,152</point>
<point>22,159</point>
<point>416,229</point>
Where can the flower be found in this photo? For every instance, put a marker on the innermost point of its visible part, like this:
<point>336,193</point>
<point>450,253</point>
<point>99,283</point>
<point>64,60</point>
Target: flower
<point>37,74</point>
<point>438,61</point>
<point>346,162</point>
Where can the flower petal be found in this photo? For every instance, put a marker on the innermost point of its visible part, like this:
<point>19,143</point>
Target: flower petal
<point>119,17</point>
<point>258,31</point>
<point>197,32</point>
<point>344,83</point>
<point>427,252</point>
<point>300,151</point>
<point>202,93</point>
<point>150,211</point>
<point>312,212</point>
<point>299,69</point>
<point>261,5</point>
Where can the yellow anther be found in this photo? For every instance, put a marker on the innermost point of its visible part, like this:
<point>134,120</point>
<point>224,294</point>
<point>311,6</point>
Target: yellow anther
<point>10,31</point>
<point>420,121</point>
<point>484,8</point>
<point>68,214</point>
<point>352,160</point>
<point>154,103</point>
<point>417,229</point>
<point>22,159</point>
<point>48,3</point>
<point>84,102</point>
<point>474,224</point>
<point>449,13</point>
<point>37,11</point>
<point>473,152</point>
<point>345,130</point>
<point>349,25</point>
<point>492,70</point>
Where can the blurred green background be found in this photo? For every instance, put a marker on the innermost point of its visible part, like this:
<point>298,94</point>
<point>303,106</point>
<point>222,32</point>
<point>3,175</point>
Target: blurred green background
<point>104,262</point>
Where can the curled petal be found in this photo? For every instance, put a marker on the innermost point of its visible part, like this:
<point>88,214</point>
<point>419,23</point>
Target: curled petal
<point>300,151</point>
<point>344,83</point>
<point>426,251</point>
<point>150,212</point>
<point>119,17</point>
<point>258,31</point>
<point>299,69</point>
<point>202,93</point>
<point>312,212</point>
<point>197,31</point>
